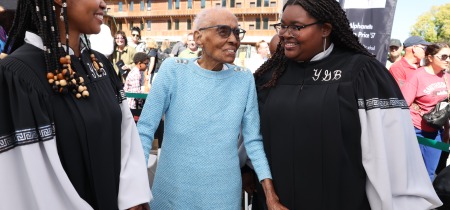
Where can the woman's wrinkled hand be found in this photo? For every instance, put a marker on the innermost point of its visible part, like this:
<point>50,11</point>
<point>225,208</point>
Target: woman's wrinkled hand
<point>272,201</point>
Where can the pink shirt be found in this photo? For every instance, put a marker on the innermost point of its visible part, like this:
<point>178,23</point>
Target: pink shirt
<point>133,85</point>
<point>402,71</point>
<point>426,90</point>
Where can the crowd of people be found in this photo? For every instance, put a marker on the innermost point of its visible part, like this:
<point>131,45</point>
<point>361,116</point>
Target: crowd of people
<point>314,119</point>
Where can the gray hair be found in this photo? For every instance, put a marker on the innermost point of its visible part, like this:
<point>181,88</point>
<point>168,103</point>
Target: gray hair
<point>203,18</point>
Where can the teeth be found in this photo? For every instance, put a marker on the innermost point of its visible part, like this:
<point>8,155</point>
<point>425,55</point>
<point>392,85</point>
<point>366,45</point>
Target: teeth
<point>230,50</point>
<point>99,17</point>
<point>290,44</point>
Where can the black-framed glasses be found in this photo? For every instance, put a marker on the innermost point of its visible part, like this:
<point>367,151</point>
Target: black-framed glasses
<point>443,57</point>
<point>224,31</point>
<point>293,29</point>
<point>135,35</point>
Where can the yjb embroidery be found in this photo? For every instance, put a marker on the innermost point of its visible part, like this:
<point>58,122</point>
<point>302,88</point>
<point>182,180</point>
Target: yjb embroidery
<point>326,75</point>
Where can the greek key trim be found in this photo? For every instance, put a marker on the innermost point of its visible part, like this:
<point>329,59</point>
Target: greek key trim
<point>26,136</point>
<point>376,103</point>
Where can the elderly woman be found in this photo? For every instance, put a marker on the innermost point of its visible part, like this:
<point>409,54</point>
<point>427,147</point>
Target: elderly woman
<point>336,129</point>
<point>205,101</point>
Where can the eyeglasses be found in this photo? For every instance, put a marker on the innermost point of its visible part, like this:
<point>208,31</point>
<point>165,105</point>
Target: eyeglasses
<point>134,35</point>
<point>293,29</point>
<point>146,64</point>
<point>225,31</point>
<point>443,57</point>
<point>119,38</point>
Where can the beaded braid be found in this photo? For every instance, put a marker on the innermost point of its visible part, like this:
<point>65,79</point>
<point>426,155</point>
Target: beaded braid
<point>325,11</point>
<point>61,76</point>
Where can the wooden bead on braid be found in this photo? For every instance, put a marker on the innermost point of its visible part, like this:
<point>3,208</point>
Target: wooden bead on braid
<point>67,80</point>
<point>98,66</point>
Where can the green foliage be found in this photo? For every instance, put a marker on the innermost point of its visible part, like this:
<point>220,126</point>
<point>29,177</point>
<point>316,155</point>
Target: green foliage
<point>434,25</point>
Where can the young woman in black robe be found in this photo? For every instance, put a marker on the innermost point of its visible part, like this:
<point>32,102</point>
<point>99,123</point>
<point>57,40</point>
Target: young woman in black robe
<point>67,139</point>
<point>336,129</point>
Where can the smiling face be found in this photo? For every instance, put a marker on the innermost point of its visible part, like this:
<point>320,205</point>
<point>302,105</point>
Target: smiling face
<point>305,43</point>
<point>217,50</point>
<point>85,16</point>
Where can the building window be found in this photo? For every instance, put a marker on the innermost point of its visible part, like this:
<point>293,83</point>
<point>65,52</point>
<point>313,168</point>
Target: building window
<point>169,2</point>
<point>224,3</point>
<point>252,4</point>
<point>142,5</point>
<point>265,23</point>
<point>239,5</point>
<point>203,4</point>
<point>177,24</point>
<point>149,25</point>
<point>189,4</point>
<point>120,6</point>
<point>251,27</point>
<point>258,23</point>
<point>189,24</point>
<point>149,5</point>
<point>258,3</point>
<point>177,4</point>
<point>266,3</point>
<point>232,3</point>
<point>273,4</point>
<point>217,4</point>
<point>131,25</point>
<point>131,6</point>
<point>169,25</point>
<point>142,26</point>
<point>120,25</point>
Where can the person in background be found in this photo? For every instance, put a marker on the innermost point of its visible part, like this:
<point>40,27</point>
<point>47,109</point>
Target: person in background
<point>395,52</point>
<point>137,43</point>
<point>165,48</point>
<point>68,140</point>
<point>6,21</point>
<point>206,101</point>
<point>153,55</point>
<point>422,91</point>
<point>103,42</point>
<point>123,55</point>
<point>261,56</point>
<point>192,50</point>
<point>133,82</point>
<point>179,47</point>
<point>336,129</point>
<point>273,44</point>
<point>402,70</point>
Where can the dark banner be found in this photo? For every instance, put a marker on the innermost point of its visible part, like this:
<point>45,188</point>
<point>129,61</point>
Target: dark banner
<point>371,21</point>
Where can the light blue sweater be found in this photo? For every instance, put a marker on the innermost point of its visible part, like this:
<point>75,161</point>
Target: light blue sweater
<point>204,111</point>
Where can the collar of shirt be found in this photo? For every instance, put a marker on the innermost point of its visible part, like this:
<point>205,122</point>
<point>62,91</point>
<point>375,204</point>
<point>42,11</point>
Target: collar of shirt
<point>35,40</point>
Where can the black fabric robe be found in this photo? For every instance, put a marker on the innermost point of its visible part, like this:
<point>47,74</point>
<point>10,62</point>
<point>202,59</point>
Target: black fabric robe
<point>87,131</point>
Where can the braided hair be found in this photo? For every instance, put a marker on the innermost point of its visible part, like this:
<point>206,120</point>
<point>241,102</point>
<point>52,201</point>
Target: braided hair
<point>325,11</point>
<point>60,75</point>
<point>37,16</point>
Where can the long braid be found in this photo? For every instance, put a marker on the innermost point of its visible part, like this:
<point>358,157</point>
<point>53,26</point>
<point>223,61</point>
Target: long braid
<point>23,18</point>
<point>60,75</point>
<point>330,11</point>
<point>276,62</point>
